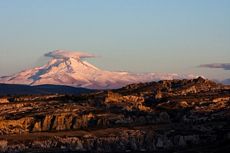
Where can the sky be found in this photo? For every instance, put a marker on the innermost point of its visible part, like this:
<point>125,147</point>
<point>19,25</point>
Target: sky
<point>165,36</point>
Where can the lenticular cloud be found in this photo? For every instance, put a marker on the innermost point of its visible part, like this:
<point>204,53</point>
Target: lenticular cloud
<point>225,66</point>
<point>60,54</point>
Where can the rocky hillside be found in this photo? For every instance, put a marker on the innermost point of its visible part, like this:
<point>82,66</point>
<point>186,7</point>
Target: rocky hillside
<point>165,116</point>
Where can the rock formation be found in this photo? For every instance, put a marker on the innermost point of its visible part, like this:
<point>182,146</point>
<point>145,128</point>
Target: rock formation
<point>165,116</point>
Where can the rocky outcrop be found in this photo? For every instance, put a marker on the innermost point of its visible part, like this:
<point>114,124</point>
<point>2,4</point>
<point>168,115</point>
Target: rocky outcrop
<point>159,116</point>
<point>22,125</point>
<point>117,98</point>
<point>4,100</point>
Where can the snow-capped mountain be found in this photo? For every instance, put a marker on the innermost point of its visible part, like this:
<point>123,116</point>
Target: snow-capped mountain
<point>69,68</point>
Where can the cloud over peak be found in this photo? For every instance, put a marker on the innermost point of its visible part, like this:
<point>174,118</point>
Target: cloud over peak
<point>225,66</point>
<point>68,54</point>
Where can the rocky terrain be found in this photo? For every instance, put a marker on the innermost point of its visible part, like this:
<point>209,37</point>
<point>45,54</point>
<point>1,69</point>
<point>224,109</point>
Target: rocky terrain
<point>166,116</point>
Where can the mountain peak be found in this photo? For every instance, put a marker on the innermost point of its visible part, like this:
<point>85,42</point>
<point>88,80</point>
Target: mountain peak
<point>69,68</point>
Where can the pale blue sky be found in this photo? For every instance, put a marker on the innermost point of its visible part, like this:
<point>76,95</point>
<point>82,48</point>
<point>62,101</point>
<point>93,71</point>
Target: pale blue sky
<point>131,35</point>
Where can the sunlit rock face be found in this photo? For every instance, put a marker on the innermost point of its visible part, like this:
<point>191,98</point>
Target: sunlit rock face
<point>162,116</point>
<point>70,68</point>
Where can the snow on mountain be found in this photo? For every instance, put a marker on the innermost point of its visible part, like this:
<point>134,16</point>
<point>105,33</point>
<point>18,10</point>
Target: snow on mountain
<point>69,68</point>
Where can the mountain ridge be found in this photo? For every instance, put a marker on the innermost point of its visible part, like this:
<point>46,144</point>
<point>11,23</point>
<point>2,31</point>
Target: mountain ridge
<point>19,89</point>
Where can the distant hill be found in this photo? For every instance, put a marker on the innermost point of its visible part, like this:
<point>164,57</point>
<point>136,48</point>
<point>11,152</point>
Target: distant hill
<point>227,81</point>
<point>15,89</point>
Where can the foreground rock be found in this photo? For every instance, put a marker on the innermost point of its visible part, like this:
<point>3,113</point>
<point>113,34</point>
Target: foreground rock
<point>165,116</point>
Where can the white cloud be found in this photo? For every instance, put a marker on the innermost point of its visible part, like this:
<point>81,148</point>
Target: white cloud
<point>68,54</point>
